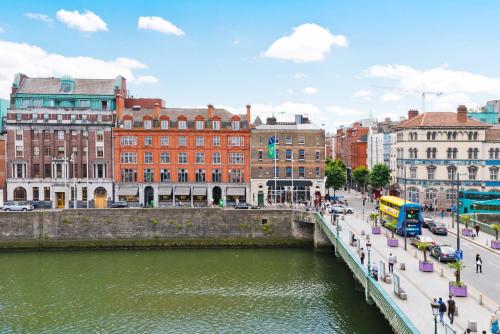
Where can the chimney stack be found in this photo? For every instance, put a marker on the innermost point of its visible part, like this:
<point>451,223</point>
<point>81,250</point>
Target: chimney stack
<point>462,114</point>
<point>412,113</point>
<point>248,115</point>
<point>156,113</point>
<point>120,105</point>
<point>211,111</point>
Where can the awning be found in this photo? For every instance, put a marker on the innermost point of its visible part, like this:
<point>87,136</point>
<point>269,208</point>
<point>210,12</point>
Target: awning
<point>164,191</point>
<point>199,191</point>
<point>128,191</point>
<point>288,183</point>
<point>182,191</point>
<point>235,191</point>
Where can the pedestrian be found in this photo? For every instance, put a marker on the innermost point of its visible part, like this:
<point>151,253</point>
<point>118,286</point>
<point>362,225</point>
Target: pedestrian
<point>479,264</point>
<point>451,309</point>
<point>442,213</point>
<point>442,310</point>
<point>477,228</point>
<point>467,331</point>
<point>362,256</point>
<point>494,325</point>
<point>392,260</point>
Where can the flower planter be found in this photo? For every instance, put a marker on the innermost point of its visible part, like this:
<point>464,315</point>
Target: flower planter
<point>392,242</point>
<point>495,244</point>
<point>425,266</point>
<point>467,232</point>
<point>376,230</point>
<point>457,291</point>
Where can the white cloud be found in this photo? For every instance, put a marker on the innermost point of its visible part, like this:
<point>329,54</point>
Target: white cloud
<point>146,79</point>
<point>300,75</point>
<point>159,24</point>
<point>236,42</point>
<point>1,30</point>
<point>308,43</point>
<point>363,94</point>
<point>86,22</point>
<point>285,111</point>
<point>449,102</point>
<point>310,90</point>
<point>35,61</point>
<point>39,17</point>
<point>390,97</point>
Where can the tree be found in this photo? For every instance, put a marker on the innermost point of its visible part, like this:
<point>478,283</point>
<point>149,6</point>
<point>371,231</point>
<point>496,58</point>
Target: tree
<point>423,246</point>
<point>458,266</point>
<point>496,228</point>
<point>374,218</point>
<point>335,174</point>
<point>380,176</point>
<point>360,176</point>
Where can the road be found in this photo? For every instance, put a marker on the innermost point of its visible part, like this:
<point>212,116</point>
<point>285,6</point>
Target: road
<point>488,283</point>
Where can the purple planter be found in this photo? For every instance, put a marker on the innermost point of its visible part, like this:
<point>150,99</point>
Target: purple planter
<point>425,266</point>
<point>457,291</point>
<point>392,242</point>
<point>495,244</point>
<point>466,232</point>
<point>376,230</point>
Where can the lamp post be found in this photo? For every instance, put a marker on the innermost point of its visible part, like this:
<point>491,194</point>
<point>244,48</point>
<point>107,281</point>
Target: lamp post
<point>368,273</point>
<point>368,249</point>
<point>404,210</point>
<point>458,209</point>
<point>435,311</point>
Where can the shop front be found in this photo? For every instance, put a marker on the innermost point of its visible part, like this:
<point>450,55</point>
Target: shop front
<point>165,197</point>
<point>235,195</point>
<point>200,197</point>
<point>182,196</point>
<point>129,195</point>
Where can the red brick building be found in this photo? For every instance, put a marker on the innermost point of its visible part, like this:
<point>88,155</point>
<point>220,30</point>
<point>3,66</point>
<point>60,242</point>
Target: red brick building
<point>350,147</point>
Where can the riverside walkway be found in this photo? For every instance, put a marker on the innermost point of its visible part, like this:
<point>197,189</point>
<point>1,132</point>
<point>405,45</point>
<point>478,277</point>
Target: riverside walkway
<point>420,287</point>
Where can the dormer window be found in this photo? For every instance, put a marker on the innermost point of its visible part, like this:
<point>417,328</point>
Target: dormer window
<point>127,124</point>
<point>200,125</point>
<point>235,125</point>
<point>67,85</point>
<point>215,125</point>
<point>147,124</point>
<point>164,124</point>
<point>182,125</point>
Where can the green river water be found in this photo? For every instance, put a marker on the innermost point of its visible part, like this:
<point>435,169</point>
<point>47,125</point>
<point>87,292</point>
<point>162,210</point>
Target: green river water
<point>182,291</point>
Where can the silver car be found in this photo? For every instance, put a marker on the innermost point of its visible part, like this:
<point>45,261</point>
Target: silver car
<point>17,206</point>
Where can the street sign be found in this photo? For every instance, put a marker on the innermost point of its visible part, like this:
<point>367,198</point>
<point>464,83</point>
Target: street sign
<point>453,208</point>
<point>459,255</point>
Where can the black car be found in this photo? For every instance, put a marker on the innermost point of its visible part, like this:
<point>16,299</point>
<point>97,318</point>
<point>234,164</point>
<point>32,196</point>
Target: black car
<point>444,253</point>
<point>120,204</point>
<point>438,228</point>
<point>245,206</point>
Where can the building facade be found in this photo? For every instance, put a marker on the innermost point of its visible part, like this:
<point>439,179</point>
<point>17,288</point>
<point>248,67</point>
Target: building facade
<point>299,175</point>
<point>330,140</point>
<point>432,148</point>
<point>487,114</point>
<point>4,105</point>
<point>351,147</point>
<point>59,142</point>
<point>180,156</point>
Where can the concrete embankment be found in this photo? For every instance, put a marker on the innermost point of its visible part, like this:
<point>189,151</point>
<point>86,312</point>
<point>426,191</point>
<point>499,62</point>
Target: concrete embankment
<point>153,228</point>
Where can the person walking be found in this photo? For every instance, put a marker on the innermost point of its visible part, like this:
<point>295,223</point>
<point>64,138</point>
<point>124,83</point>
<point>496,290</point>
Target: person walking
<point>479,264</point>
<point>477,228</point>
<point>362,256</point>
<point>494,325</point>
<point>442,310</point>
<point>392,260</point>
<point>451,309</point>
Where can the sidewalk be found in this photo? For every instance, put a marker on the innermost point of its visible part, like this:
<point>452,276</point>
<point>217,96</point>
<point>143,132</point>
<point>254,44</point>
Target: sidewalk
<point>421,287</point>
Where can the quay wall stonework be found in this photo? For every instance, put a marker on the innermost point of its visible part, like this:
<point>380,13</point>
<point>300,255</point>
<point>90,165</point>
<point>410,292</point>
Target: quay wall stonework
<point>136,228</point>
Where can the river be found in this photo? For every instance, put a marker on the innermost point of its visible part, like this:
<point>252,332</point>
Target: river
<point>182,291</point>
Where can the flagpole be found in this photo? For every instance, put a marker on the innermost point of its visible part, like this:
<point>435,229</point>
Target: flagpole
<point>292,179</point>
<point>275,182</point>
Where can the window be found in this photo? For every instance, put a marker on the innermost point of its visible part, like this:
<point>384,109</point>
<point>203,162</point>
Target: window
<point>19,135</point>
<point>182,175</point>
<point>164,175</point>
<point>164,141</point>
<point>46,134</point>
<point>99,152</point>
<point>200,175</point>
<point>99,135</point>
<point>431,195</point>
<point>236,176</point>
<point>148,157</point>
<point>165,157</point>
<point>47,170</point>
<point>200,125</point>
<point>36,194</point>
<point>497,153</point>
<point>46,151</point>
<point>492,153</point>
<point>216,125</point>
<point>46,193</point>
<point>59,171</point>
<point>182,158</point>
<point>85,103</point>
<point>451,172</point>
<point>451,194</point>
<point>128,140</point>
<point>74,151</point>
<point>216,159</point>
<point>128,157</point>
<point>301,155</point>
<point>84,194</point>
<point>302,140</point>
<point>318,172</point>
<point>236,158</point>
<point>37,135</point>
<point>19,151</point>
<point>129,175</point>
<point>413,153</point>
<point>200,141</point>
<point>431,172</point>
<point>100,171</point>
<point>431,135</point>
<point>472,172</point>
<point>317,155</point>
<point>235,125</point>
<point>148,141</point>
<point>431,153</point>
<point>60,135</point>
<point>182,125</point>
<point>302,172</point>
<point>277,154</point>
<point>182,141</point>
<point>288,140</point>
<point>288,155</point>
<point>260,155</point>
<point>235,141</point>
<point>60,151</point>
<point>276,171</point>
<point>36,170</point>
<point>413,195</point>
<point>59,118</point>
<point>104,105</point>
<point>200,157</point>
<point>148,175</point>
<point>19,117</point>
<point>452,153</point>
<point>260,172</point>
<point>164,124</point>
<point>127,124</point>
<point>147,124</point>
<point>216,141</point>
<point>216,175</point>
<point>494,173</point>
<point>84,170</point>
<point>475,153</point>
<point>413,172</point>
<point>74,135</point>
<point>288,171</point>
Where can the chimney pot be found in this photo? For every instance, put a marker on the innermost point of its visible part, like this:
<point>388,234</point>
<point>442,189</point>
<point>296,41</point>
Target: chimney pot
<point>156,111</point>
<point>211,111</point>
<point>412,113</point>
<point>248,118</point>
<point>462,114</point>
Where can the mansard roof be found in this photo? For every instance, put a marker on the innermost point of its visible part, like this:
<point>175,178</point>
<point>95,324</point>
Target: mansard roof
<point>440,120</point>
<point>189,113</point>
<point>53,86</point>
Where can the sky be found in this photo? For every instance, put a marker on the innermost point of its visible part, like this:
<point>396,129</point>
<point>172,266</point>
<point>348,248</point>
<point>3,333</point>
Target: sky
<point>334,61</point>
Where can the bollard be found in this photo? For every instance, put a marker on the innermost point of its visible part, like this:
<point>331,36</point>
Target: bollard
<point>480,299</point>
<point>415,254</point>
<point>362,232</point>
<point>442,274</point>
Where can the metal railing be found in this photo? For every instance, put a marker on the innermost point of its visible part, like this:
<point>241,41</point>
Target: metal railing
<point>391,311</point>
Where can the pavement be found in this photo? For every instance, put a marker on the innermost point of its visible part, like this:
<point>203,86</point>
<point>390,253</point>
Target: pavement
<point>423,287</point>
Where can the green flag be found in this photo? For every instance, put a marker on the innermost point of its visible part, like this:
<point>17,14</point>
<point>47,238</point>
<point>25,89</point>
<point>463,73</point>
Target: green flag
<point>271,147</point>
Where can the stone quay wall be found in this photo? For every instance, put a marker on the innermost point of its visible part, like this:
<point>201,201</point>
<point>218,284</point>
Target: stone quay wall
<point>153,228</point>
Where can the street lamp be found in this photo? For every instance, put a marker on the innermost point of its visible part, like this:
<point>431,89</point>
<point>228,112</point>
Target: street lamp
<point>435,311</point>
<point>368,249</point>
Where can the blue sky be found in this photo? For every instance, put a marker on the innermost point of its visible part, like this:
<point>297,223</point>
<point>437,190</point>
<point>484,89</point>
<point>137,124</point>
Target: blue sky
<point>346,59</point>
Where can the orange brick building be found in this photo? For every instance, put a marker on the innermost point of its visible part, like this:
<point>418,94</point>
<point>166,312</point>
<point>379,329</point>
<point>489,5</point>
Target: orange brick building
<point>180,156</point>
<point>350,147</point>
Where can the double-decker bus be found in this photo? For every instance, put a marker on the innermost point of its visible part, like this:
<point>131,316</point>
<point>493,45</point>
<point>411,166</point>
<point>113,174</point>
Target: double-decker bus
<point>392,207</point>
<point>485,202</point>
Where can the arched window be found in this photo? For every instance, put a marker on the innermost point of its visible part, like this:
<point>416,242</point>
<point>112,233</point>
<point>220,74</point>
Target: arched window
<point>429,152</point>
<point>413,195</point>
<point>431,196</point>
<point>455,153</point>
<point>449,135</point>
<point>497,153</point>
<point>469,153</point>
<point>476,135</point>
<point>454,135</point>
<point>415,136</point>
<point>492,153</point>
<point>19,194</point>
<point>449,153</point>
<point>470,135</point>
<point>472,172</point>
<point>433,135</point>
<point>429,135</point>
<point>476,153</point>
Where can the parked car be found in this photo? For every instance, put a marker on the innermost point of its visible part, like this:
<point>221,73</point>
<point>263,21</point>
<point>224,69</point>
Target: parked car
<point>338,208</point>
<point>443,253</point>
<point>422,238</point>
<point>243,205</point>
<point>438,228</point>
<point>17,206</point>
<point>119,204</point>
<point>427,221</point>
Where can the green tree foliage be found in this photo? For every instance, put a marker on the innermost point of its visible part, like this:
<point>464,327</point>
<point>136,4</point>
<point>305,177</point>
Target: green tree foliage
<point>380,176</point>
<point>496,228</point>
<point>360,176</point>
<point>458,266</point>
<point>335,174</point>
